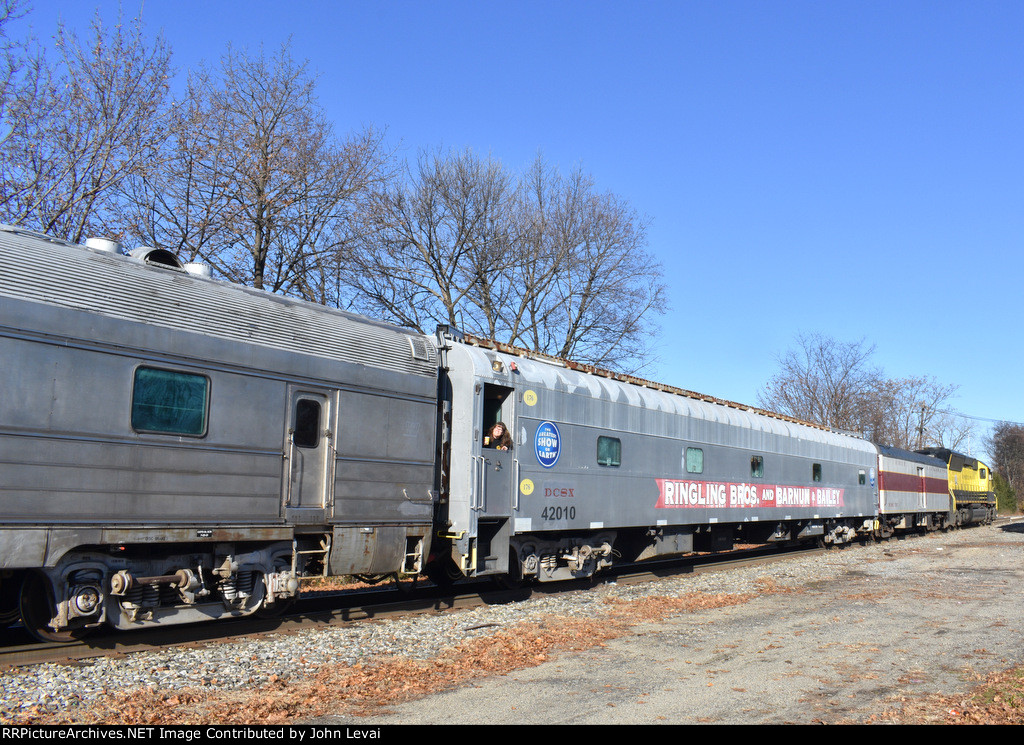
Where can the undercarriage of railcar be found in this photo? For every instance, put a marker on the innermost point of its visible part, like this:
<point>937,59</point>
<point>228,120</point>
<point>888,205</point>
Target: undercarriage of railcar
<point>554,557</point>
<point>137,586</point>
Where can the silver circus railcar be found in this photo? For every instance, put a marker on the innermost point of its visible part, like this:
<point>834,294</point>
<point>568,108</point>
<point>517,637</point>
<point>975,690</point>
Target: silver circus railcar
<point>175,448</point>
<point>604,468</point>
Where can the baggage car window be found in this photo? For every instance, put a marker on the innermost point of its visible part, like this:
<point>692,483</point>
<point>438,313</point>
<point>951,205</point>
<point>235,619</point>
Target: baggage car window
<point>816,472</point>
<point>756,467</point>
<point>694,460</point>
<point>609,451</point>
<point>169,402</point>
<point>307,423</point>
<point>861,478</point>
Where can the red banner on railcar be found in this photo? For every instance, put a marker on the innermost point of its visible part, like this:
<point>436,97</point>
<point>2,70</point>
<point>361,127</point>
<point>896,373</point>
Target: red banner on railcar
<point>892,481</point>
<point>719,495</point>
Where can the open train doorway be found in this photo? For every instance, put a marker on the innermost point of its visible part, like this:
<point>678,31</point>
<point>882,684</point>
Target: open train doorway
<point>497,409</point>
<point>497,469</point>
<point>496,462</point>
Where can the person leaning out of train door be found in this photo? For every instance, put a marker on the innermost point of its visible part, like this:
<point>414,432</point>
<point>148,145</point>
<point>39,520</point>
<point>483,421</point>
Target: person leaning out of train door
<point>498,437</point>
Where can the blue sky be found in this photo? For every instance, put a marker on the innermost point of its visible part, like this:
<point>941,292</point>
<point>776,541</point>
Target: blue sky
<point>852,168</point>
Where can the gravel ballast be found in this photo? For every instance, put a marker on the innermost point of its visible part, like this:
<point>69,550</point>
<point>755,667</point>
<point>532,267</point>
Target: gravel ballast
<point>856,633</point>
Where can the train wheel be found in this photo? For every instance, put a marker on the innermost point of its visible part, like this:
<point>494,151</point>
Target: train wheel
<point>276,609</point>
<point>10,600</point>
<point>407,585</point>
<point>513,579</point>
<point>280,606</point>
<point>443,573</point>
<point>37,608</point>
<point>508,582</point>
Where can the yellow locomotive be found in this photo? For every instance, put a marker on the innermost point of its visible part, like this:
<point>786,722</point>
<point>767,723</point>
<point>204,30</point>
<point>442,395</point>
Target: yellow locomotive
<point>970,486</point>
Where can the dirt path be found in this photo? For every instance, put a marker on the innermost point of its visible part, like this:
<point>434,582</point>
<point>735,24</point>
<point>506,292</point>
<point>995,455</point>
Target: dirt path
<point>931,615</point>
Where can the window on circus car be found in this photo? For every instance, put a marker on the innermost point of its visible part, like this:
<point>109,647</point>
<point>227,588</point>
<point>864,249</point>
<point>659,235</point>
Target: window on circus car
<point>694,460</point>
<point>307,423</point>
<point>169,402</point>
<point>816,472</point>
<point>609,451</point>
<point>756,466</point>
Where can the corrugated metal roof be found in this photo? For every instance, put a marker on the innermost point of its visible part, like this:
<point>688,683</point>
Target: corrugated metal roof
<point>902,454</point>
<point>39,268</point>
<point>555,374</point>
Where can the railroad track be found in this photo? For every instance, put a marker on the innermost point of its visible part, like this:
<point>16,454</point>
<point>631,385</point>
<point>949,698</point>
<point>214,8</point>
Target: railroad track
<point>320,609</point>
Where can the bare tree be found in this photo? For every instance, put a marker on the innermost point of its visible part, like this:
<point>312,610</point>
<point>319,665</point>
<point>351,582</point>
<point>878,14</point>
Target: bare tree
<point>430,240</point>
<point>911,413</point>
<point>184,204</point>
<point>76,131</point>
<point>609,287</point>
<point>541,261</point>
<point>18,56</point>
<point>950,430</point>
<point>1006,447</point>
<point>823,381</point>
<point>586,287</point>
<point>254,180</point>
<point>835,384</point>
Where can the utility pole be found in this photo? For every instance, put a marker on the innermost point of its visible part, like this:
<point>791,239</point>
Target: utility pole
<point>920,430</point>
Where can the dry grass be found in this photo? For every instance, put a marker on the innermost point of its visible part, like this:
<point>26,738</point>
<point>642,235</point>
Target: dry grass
<point>996,699</point>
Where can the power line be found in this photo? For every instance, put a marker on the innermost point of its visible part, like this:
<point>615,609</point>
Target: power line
<point>978,418</point>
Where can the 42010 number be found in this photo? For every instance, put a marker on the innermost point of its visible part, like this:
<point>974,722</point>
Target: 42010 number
<point>558,513</point>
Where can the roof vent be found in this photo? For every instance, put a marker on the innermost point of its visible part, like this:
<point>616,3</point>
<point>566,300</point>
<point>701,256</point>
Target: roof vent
<point>106,245</point>
<point>196,269</point>
<point>157,257</point>
<point>419,348</point>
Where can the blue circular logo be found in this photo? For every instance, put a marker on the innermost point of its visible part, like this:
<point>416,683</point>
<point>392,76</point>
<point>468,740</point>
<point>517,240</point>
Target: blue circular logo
<point>547,443</point>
